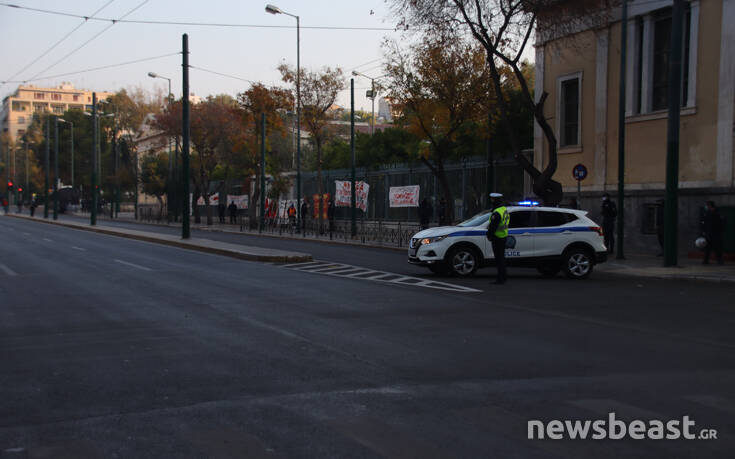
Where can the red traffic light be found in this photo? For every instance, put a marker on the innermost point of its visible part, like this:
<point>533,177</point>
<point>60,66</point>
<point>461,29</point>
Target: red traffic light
<point>10,185</point>
<point>20,188</point>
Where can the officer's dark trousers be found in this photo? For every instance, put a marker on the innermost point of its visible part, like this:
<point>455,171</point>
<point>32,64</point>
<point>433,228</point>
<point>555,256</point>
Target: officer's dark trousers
<point>609,230</point>
<point>499,254</point>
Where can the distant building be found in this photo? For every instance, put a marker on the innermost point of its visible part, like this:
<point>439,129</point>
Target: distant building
<point>18,108</point>
<point>385,112</point>
<point>580,71</point>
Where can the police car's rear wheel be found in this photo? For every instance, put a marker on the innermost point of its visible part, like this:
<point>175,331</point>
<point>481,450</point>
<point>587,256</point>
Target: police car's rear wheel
<point>463,261</point>
<point>578,263</point>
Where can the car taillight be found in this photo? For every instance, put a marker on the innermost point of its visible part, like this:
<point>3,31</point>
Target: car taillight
<point>597,230</point>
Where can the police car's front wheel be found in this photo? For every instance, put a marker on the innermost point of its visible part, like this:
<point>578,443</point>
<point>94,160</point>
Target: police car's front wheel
<point>463,261</point>
<point>578,263</point>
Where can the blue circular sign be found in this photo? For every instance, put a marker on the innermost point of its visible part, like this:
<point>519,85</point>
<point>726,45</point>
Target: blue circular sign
<point>579,172</point>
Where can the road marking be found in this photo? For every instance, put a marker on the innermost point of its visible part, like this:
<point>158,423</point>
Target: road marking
<point>133,265</point>
<point>327,268</point>
<point>7,270</point>
<point>47,239</point>
<point>78,248</point>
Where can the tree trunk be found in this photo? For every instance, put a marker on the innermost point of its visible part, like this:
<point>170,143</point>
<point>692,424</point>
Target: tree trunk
<point>209,210</point>
<point>253,205</point>
<point>195,207</point>
<point>160,207</point>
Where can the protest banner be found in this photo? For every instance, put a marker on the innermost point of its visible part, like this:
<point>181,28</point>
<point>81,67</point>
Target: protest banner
<point>404,196</point>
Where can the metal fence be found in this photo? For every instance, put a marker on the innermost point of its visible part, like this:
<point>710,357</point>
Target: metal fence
<point>468,184</point>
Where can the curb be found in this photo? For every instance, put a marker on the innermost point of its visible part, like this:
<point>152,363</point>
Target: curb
<point>233,253</point>
<point>677,277</point>
<point>292,238</point>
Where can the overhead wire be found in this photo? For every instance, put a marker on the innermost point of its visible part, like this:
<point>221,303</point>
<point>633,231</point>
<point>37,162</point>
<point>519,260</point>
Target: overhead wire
<point>84,21</point>
<point>90,40</point>
<point>188,23</point>
<point>145,59</point>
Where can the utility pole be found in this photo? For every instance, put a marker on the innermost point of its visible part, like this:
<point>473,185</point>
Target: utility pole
<point>353,197</point>
<point>672,137</point>
<point>93,212</point>
<point>56,167</point>
<point>185,233</point>
<point>262,172</point>
<point>46,162</point>
<point>621,132</point>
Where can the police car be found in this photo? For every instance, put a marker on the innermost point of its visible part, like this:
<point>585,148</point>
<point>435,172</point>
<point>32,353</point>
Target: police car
<point>550,239</point>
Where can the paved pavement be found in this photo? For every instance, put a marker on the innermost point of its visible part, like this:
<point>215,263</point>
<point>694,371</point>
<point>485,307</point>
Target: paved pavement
<point>113,347</point>
<point>635,265</point>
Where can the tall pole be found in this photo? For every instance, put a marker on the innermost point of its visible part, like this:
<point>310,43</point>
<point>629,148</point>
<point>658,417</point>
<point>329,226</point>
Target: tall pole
<point>672,138</point>
<point>372,97</point>
<point>353,197</point>
<point>28,184</point>
<point>185,233</point>
<point>93,213</point>
<point>115,209</point>
<point>72,154</point>
<point>262,171</point>
<point>46,163</point>
<point>621,132</point>
<point>56,167</point>
<point>298,123</point>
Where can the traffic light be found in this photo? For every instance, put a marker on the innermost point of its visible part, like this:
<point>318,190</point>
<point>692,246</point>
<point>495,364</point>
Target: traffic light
<point>20,189</point>
<point>10,185</point>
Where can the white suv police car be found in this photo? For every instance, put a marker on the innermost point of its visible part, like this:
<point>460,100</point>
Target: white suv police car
<point>550,239</point>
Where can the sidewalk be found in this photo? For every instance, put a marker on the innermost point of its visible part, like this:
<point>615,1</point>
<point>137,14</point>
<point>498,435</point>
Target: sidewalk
<point>242,252</point>
<point>650,266</point>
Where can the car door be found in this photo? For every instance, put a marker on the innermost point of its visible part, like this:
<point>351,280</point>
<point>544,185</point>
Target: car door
<point>520,243</point>
<point>550,235</point>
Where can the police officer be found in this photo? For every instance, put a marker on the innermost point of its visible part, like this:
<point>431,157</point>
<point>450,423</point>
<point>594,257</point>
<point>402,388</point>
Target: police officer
<point>497,233</point>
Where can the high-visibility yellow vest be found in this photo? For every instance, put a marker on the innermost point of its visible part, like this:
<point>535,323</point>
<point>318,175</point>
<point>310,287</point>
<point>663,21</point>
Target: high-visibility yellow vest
<point>502,229</point>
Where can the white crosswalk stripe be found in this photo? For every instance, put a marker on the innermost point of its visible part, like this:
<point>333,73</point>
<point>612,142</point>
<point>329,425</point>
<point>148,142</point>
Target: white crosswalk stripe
<point>356,272</point>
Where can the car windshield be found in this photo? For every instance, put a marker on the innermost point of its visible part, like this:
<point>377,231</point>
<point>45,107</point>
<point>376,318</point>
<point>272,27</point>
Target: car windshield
<point>477,220</point>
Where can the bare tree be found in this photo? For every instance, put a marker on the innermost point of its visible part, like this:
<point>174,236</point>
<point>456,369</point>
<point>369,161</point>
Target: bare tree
<point>504,28</point>
<point>318,93</point>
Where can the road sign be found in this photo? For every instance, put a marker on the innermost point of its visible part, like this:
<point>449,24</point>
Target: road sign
<point>579,172</point>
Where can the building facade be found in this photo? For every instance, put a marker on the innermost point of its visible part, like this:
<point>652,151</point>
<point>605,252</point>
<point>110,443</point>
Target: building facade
<point>18,108</point>
<point>580,71</point>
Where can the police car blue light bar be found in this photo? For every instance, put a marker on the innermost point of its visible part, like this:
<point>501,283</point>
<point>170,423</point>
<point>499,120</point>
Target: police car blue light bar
<point>527,203</point>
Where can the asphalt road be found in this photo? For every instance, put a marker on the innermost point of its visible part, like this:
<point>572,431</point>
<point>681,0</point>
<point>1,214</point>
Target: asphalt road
<point>117,348</point>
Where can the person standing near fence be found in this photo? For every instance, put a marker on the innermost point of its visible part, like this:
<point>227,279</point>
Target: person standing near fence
<point>609,212</point>
<point>233,212</point>
<point>221,212</point>
<point>712,229</point>
<point>425,212</point>
<point>304,213</point>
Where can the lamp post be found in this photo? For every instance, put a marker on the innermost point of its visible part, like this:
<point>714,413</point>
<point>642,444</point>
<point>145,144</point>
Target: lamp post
<point>71,142</point>
<point>172,159</point>
<point>371,95</point>
<point>56,168</point>
<point>272,9</point>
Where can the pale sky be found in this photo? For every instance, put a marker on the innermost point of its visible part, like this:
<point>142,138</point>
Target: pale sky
<point>251,53</point>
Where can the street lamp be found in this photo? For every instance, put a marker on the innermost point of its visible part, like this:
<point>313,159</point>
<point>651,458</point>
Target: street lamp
<point>173,160</point>
<point>272,9</point>
<point>70,123</point>
<point>371,95</point>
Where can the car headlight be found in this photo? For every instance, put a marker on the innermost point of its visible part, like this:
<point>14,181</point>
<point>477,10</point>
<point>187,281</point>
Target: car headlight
<point>430,240</point>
